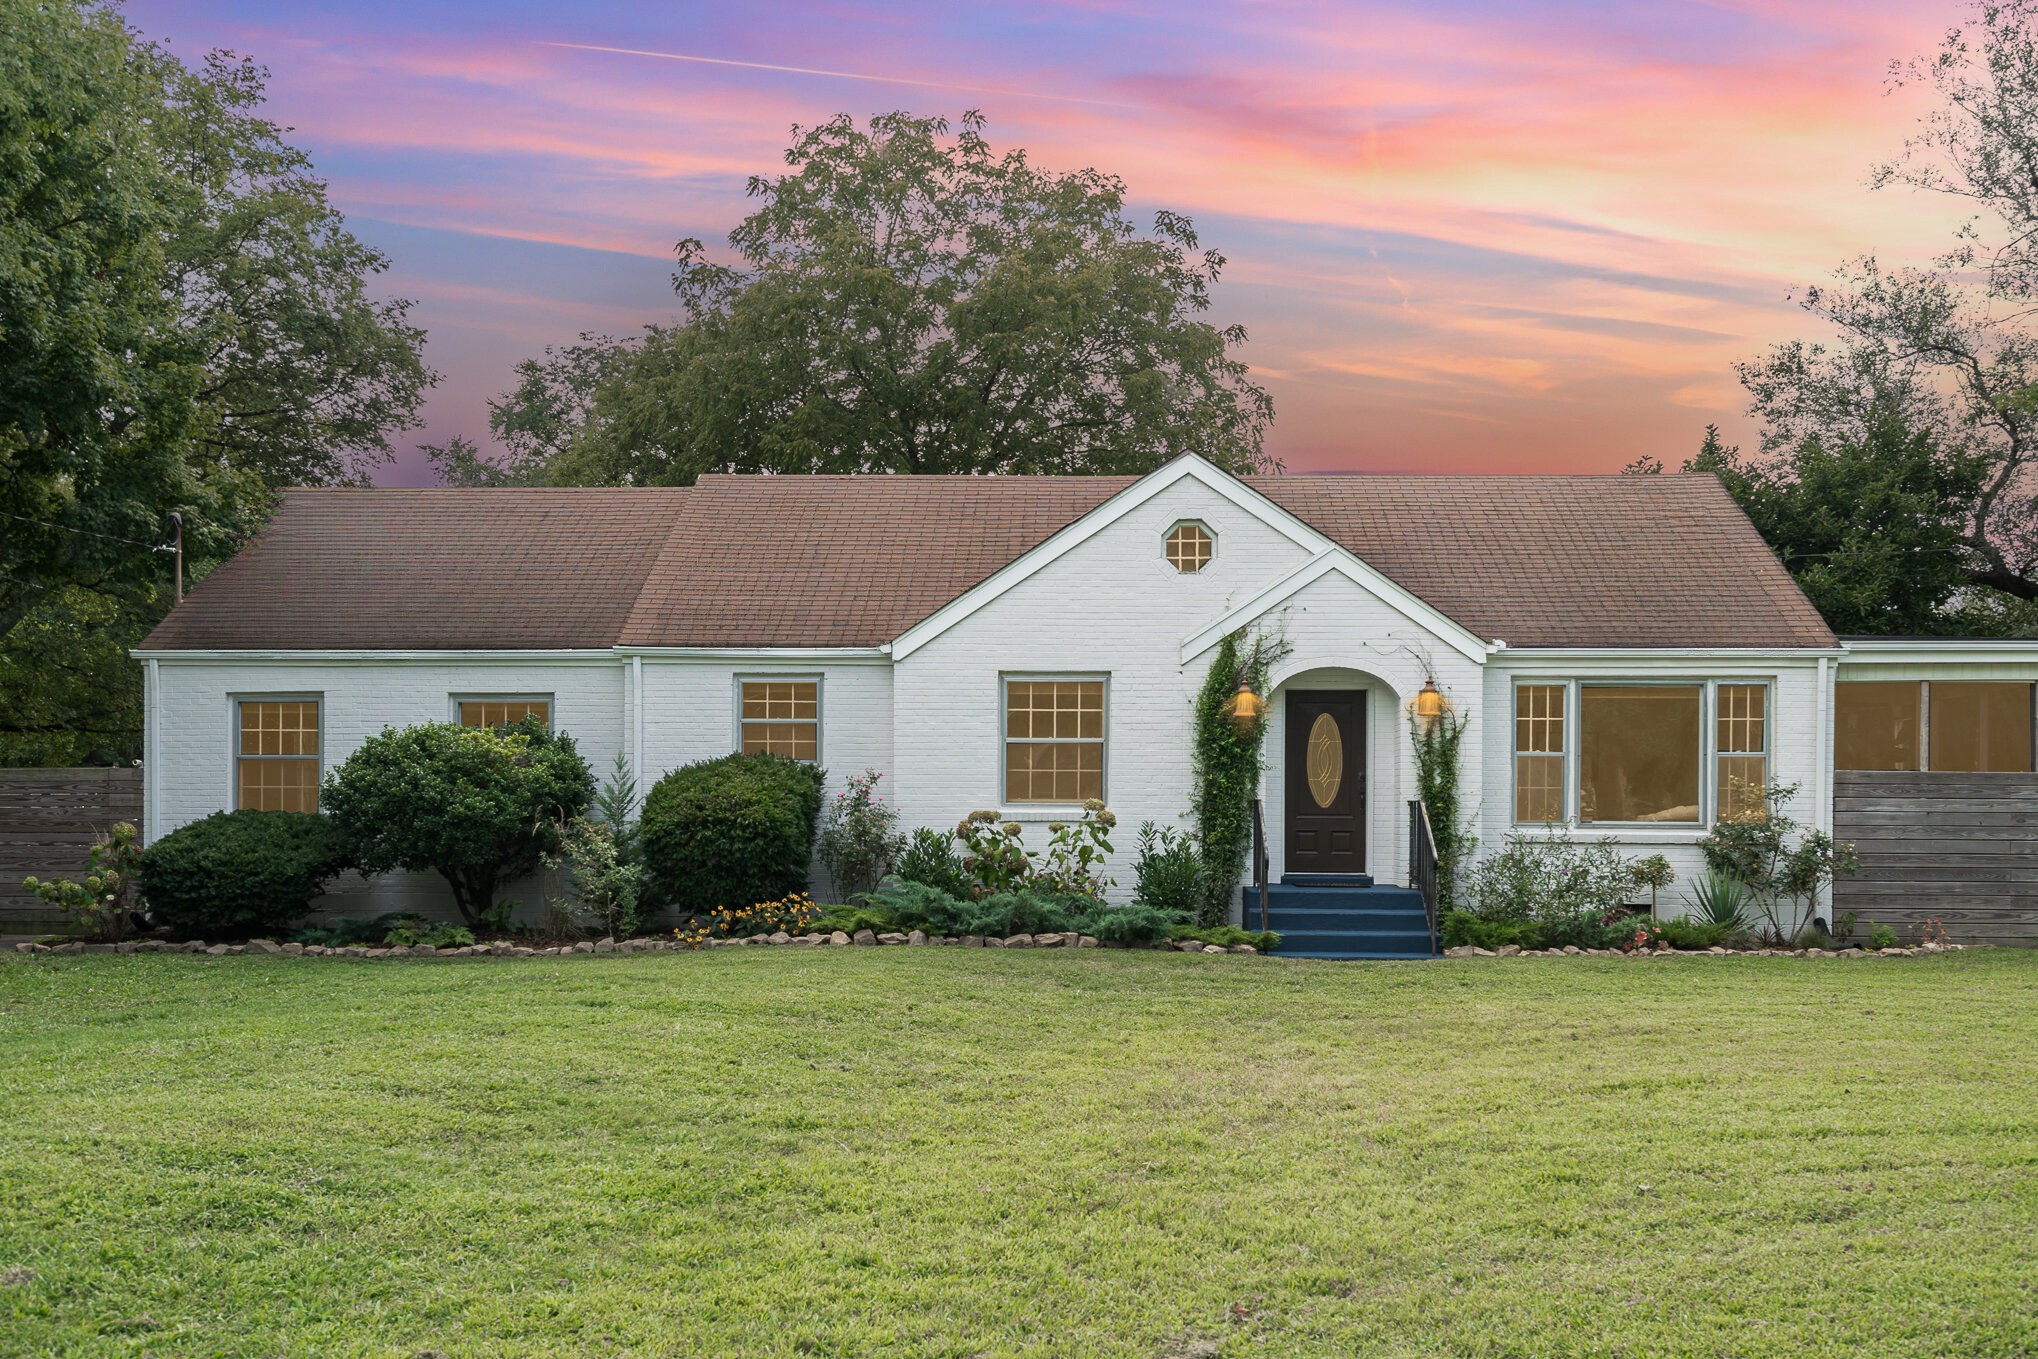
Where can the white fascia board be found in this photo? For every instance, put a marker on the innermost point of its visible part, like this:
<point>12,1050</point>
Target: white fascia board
<point>795,655</point>
<point>1335,560</point>
<point>588,656</point>
<point>1939,651</point>
<point>1657,658</point>
<point>1187,467</point>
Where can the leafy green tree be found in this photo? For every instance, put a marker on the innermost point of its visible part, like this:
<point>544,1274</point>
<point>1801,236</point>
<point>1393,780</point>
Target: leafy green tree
<point>186,326</point>
<point>1946,350</point>
<point>1871,520</point>
<point>477,805</point>
<point>908,301</point>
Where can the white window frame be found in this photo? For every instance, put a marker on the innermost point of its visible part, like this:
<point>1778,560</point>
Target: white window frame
<point>820,683</point>
<point>1566,753</point>
<point>1708,744</point>
<point>1051,810</point>
<point>453,702</point>
<point>233,740</point>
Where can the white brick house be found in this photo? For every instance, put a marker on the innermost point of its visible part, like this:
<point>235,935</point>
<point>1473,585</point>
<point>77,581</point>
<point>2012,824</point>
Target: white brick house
<point>1625,647</point>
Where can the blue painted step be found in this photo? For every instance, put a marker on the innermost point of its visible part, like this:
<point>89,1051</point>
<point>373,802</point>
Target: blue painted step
<point>1322,915</point>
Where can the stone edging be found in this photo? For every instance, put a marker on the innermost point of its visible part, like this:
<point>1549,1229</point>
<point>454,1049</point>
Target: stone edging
<point>500,949</point>
<point>1573,951</point>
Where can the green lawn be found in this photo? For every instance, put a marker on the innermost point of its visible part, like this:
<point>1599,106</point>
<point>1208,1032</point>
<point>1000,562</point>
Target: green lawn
<point>949,1152</point>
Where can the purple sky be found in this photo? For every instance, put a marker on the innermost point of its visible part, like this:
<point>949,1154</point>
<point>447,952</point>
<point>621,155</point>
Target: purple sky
<point>1464,236</point>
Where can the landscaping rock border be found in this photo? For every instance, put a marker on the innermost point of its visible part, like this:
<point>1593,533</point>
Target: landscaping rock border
<point>1573,951</point>
<point>503,949</point>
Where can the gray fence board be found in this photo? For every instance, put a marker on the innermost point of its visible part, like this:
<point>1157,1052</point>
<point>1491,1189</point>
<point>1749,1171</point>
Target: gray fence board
<point>1961,848</point>
<point>49,820</point>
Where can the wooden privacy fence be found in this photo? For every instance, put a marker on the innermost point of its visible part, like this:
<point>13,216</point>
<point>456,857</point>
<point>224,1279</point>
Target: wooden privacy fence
<point>49,819</point>
<point>1959,847</point>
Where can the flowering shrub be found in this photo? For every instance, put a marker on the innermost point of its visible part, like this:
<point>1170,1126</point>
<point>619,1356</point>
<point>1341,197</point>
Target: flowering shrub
<point>100,905</point>
<point>859,836</point>
<point>992,855</point>
<point>792,913</point>
<point>1074,863</point>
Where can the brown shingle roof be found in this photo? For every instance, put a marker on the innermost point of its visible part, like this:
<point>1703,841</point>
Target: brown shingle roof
<point>762,561</point>
<point>431,570</point>
<point>1576,561</point>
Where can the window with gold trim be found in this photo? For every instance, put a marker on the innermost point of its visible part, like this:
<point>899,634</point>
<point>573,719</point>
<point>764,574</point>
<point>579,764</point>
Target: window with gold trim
<point>782,717</point>
<point>503,712</point>
<point>276,755</point>
<point>1539,753</point>
<point>1054,740</point>
<point>1190,548</point>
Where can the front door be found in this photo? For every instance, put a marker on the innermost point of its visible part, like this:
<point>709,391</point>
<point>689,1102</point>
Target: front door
<point>1326,788</point>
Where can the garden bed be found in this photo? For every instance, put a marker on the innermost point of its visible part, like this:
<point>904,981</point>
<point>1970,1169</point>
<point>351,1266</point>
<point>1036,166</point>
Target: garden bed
<point>509,949</point>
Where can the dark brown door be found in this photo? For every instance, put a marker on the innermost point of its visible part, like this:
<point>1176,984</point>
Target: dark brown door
<point>1326,788</point>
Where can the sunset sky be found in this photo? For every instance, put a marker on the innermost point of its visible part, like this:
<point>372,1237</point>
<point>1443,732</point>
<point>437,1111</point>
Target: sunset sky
<point>1464,237</point>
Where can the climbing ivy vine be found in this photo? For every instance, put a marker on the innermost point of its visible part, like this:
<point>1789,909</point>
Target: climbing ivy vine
<point>1438,744</point>
<point>1227,767</point>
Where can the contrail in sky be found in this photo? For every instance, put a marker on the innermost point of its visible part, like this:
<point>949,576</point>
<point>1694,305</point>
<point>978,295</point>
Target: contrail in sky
<point>838,75</point>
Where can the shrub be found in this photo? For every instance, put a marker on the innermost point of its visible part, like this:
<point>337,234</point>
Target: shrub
<point>1783,863</point>
<point>606,887</point>
<point>1691,934</point>
<point>352,933</point>
<point>859,837</point>
<point>411,935</point>
<point>851,919</point>
<point>1227,936</point>
<point>1168,874</point>
<point>931,859</point>
<point>992,855</point>
<point>1138,923</point>
<point>736,829</point>
<point>478,805</point>
<point>1076,850</point>
<point>241,873</point>
<point>1881,937</point>
<point>794,913</point>
<point>102,906</point>
<point>920,906</point>
<point>1459,929</point>
<point>616,807</point>
<point>1550,879</point>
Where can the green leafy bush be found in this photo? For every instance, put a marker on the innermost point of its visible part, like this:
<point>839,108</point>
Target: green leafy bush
<point>1690,934</point>
<point>730,831</point>
<point>1547,879</point>
<point>478,805</point>
<point>1720,898</point>
<point>921,906</point>
<point>930,858</point>
<point>410,935</point>
<point>859,836</point>
<point>1783,862</point>
<point>606,886</point>
<point>241,873</point>
<point>1168,874</point>
<point>850,919</point>
<point>354,933</point>
<point>1881,937</point>
<point>102,906</point>
<point>992,855</point>
<point>1227,936</point>
<point>1131,925</point>
<point>1460,929</point>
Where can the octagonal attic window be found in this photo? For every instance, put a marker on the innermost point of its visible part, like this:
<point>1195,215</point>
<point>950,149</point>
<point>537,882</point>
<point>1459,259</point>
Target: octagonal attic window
<point>1189,547</point>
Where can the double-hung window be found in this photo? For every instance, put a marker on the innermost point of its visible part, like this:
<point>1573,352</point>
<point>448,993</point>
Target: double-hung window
<point>1054,740</point>
<point>1621,752</point>
<point>276,755</point>
<point>780,717</point>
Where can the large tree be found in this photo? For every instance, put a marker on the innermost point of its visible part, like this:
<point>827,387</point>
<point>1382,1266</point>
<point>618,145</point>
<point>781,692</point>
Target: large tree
<point>1935,371</point>
<point>908,301</point>
<point>184,324</point>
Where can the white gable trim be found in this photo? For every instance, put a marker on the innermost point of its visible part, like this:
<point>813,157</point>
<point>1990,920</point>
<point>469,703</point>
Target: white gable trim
<point>1337,561</point>
<point>1187,467</point>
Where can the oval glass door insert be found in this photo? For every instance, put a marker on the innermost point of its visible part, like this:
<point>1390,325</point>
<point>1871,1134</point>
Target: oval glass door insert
<point>1326,765</point>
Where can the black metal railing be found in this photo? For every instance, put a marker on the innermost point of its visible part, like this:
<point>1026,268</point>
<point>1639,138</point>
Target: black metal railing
<point>1261,862</point>
<point>1422,864</point>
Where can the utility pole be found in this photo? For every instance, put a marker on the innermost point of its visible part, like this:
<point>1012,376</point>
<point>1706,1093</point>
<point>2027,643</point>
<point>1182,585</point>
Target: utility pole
<point>177,522</point>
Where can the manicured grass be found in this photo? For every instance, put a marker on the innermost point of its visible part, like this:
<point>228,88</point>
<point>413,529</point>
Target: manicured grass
<point>949,1152</point>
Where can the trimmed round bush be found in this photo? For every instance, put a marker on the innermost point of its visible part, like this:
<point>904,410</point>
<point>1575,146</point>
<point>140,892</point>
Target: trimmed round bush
<point>730,832</point>
<point>241,873</point>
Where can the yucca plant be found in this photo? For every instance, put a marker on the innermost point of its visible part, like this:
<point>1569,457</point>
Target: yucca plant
<point>1720,899</point>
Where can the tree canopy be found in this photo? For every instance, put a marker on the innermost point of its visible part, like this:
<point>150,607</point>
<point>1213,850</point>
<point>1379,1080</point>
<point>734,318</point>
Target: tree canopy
<point>184,324</point>
<point>1925,408</point>
<point>908,300</point>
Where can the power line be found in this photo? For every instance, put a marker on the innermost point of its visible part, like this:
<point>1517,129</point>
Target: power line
<point>90,533</point>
